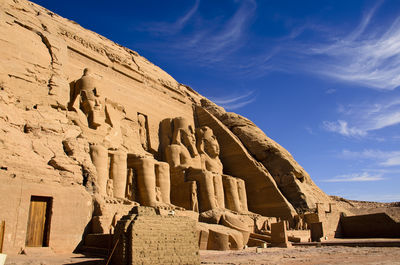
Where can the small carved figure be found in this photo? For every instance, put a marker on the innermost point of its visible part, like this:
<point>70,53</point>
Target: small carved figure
<point>130,185</point>
<point>110,188</point>
<point>143,133</point>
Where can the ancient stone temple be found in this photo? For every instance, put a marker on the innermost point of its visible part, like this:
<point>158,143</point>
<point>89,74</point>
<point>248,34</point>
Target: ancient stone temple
<point>91,130</point>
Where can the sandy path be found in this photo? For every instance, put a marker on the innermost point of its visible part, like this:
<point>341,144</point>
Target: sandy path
<point>305,255</point>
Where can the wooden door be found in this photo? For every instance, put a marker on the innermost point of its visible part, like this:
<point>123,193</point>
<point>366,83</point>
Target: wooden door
<point>35,236</point>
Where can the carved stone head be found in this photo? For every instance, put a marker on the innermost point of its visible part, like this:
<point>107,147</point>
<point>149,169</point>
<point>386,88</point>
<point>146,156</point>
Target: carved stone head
<point>184,134</point>
<point>207,142</point>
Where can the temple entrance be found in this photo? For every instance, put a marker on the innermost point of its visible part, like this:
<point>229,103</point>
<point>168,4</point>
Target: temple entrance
<point>38,230</point>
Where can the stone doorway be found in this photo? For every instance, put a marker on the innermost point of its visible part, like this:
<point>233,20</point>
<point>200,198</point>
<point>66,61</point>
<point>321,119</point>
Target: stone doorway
<point>38,231</point>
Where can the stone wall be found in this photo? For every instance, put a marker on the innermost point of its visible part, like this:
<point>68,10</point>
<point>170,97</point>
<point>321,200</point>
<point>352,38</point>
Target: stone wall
<point>378,225</point>
<point>145,237</point>
<point>71,211</point>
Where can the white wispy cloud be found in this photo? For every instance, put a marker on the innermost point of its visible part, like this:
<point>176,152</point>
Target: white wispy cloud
<point>359,119</point>
<point>165,28</point>
<point>205,41</point>
<point>211,44</point>
<point>330,91</point>
<point>309,130</point>
<point>232,102</point>
<point>342,128</point>
<point>367,55</point>
<point>356,177</point>
<point>393,161</point>
<point>382,158</point>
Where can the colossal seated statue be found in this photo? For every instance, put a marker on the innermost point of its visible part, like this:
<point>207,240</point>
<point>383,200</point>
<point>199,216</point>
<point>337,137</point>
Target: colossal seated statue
<point>230,192</point>
<point>196,170</point>
<point>181,154</point>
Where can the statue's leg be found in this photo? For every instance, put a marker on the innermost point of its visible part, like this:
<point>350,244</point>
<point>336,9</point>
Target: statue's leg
<point>206,192</point>
<point>99,155</point>
<point>146,181</point>
<point>231,193</point>
<point>163,180</point>
<point>242,194</point>
<point>219,190</point>
<point>119,173</point>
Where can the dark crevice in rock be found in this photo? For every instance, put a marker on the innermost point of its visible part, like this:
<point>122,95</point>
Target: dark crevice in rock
<point>46,42</point>
<point>21,78</point>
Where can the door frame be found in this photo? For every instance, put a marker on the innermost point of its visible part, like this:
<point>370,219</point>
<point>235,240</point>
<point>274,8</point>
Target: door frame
<point>47,224</point>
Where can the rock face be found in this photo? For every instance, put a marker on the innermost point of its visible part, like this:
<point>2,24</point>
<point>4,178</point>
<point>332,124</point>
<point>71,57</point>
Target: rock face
<point>90,129</point>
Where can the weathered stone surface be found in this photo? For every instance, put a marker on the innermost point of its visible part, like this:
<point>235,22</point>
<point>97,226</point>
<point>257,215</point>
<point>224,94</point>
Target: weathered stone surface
<point>145,237</point>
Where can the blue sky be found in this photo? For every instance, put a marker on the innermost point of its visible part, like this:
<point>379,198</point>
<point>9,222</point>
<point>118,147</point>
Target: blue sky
<point>319,77</point>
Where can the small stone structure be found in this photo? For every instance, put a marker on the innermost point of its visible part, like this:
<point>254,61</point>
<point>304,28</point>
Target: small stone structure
<point>146,237</point>
<point>316,231</point>
<point>279,237</point>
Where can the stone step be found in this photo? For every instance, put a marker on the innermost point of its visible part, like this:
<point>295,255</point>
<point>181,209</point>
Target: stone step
<point>98,240</point>
<point>101,252</point>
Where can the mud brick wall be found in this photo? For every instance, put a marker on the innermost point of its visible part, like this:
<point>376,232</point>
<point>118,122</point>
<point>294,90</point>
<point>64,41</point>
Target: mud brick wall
<point>154,239</point>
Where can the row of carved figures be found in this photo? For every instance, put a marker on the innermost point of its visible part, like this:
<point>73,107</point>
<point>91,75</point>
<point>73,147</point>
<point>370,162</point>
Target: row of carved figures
<point>191,176</point>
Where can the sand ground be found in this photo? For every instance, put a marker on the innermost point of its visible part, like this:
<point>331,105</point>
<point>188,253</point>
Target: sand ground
<point>272,256</point>
<point>305,255</point>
